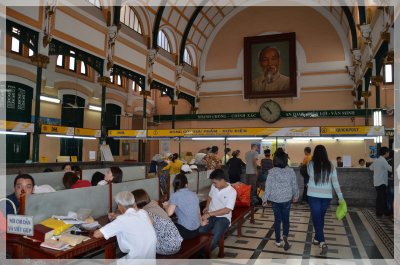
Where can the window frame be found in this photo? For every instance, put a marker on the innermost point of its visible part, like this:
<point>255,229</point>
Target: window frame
<point>166,40</point>
<point>384,73</point>
<point>127,21</point>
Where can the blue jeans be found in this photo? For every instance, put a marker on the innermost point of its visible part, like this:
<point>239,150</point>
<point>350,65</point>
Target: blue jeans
<point>218,225</point>
<point>281,213</point>
<point>318,207</point>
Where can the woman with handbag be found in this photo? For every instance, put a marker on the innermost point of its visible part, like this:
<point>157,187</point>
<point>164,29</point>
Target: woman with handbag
<point>323,177</point>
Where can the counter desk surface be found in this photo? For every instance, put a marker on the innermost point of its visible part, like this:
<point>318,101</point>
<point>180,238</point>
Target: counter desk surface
<point>22,248</point>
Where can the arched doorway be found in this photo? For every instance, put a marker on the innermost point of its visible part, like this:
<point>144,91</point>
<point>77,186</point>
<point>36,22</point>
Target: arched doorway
<point>72,116</point>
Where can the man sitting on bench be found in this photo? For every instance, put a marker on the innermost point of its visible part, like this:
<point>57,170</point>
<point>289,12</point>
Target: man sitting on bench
<point>220,203</point>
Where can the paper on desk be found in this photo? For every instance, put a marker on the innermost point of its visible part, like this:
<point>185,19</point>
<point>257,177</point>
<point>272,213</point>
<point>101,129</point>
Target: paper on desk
<point>68,220</point>
<point>90,226</point>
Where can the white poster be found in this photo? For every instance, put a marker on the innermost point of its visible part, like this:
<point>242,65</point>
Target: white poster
<point>346,161</point>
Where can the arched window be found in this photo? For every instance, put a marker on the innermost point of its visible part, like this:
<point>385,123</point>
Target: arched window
<point>163,42</point>
<point>72,64</point>
<point>187,58</point>
<point>96,3</point>
<point>129,18</point>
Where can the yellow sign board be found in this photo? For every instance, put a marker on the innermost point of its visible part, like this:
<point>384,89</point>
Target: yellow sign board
<point>54,129</point>
<point>16,126</point>
<point>87,132</point>
<point>232,132</point>
<point>127,133</point>
<point>353,131</point>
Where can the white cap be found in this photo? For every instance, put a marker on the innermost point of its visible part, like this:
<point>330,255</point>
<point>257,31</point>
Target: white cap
<point>186,168</point>
<point>193,167</point>
<point>192,162</point>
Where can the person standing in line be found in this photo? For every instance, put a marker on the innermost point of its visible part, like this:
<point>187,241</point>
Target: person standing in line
<point>211,160</point>
<point>281,189</point>
<point>174,166</point>
<point>226,157</point>
<point>266,165</point>
<point>235,165</point>
<point>381,168</point>
<point>251,169</point>
<point>323,177</point>
<point>303,171</point>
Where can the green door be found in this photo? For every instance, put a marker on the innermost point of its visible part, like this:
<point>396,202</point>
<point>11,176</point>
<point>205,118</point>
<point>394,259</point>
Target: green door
<point>16,100</point>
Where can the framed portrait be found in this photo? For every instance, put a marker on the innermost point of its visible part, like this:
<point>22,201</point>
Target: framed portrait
<point>270,66</point>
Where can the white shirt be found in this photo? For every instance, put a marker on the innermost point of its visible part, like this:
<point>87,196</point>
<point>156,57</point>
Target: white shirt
<point>380,168</point>
<point>135,234</point>
<point>225,159</point>
<point>220,199</point>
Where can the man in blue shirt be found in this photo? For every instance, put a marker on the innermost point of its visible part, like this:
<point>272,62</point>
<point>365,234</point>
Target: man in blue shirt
<point>23,184</point>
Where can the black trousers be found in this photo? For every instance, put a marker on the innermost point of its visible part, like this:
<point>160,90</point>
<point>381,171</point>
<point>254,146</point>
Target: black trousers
<point>186,233</point>
<point>381,200</point>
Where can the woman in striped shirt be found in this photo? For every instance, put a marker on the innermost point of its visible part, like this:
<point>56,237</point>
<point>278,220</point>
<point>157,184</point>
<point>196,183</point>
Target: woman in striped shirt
<point>323,177</point>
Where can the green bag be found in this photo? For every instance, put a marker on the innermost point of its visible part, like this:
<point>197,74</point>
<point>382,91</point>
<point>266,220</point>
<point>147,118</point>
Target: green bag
<point>341,210</point>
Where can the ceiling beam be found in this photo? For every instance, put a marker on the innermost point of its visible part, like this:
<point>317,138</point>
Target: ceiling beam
<point>352,26</point>
<point>157,25</point>
<point>186,32</point>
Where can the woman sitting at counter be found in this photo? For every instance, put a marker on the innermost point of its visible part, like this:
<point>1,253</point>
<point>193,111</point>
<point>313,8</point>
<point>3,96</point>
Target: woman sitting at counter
<point>113,175</point>
<point>168,238</point>
<point>185,204</point>
<point>72,181</point>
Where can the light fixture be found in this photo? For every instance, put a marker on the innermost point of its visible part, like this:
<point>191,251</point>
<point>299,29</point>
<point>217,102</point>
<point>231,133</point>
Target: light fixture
<point>244,138</point>
<point>378,139</point>
<point>85,137</point>
<point>13,133</point>
<point>59,136</point>
<point>50,99</point>
<point>377,118</point>
<point>208,139</point>
<point>353,138</point>
<point>306,139</point>
<point>94,107</point>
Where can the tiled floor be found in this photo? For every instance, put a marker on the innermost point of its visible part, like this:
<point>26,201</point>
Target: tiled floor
<point>360,235</point>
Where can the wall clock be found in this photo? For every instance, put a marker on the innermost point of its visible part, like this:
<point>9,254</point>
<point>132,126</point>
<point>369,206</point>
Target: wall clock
<point>270,111</point>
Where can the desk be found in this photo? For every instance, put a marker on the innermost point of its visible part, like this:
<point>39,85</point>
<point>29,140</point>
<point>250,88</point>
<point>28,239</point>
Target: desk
<point>22,248</point>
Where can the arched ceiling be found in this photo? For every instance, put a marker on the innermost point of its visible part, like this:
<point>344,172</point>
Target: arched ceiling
<point>177,18</point>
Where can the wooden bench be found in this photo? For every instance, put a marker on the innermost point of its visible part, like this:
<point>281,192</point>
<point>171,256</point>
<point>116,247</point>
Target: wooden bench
<point>238,215</point>
<point>190,247</point>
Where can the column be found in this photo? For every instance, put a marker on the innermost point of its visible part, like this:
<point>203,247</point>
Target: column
<point>41,62</point>
<point>103,80</point>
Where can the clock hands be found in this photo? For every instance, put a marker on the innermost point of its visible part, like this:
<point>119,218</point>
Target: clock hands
<point>270,112</point>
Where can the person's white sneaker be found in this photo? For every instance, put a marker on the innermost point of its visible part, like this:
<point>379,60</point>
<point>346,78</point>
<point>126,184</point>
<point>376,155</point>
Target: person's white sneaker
<point>279,245</point>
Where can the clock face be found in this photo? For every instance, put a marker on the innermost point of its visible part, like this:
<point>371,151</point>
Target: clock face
<point>270,111</point>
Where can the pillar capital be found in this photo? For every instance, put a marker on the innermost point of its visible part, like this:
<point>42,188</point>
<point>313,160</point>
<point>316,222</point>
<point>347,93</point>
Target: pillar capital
<point>145,93</point>
<point>103,80</point>
<point>377,80</point>
<point>40,60</point>
<point>173,102</point>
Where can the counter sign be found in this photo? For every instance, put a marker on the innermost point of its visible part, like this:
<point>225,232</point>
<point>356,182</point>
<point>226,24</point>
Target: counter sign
<point>20,224</point>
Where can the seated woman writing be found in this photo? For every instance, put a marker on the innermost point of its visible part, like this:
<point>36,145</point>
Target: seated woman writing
<point>185,204</point>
